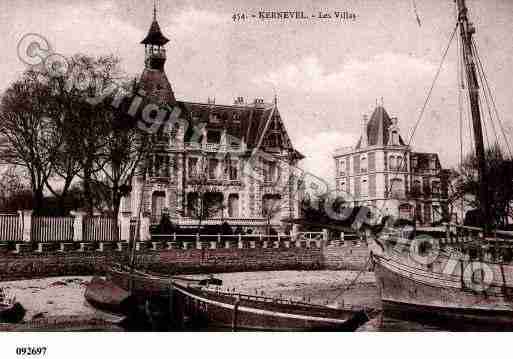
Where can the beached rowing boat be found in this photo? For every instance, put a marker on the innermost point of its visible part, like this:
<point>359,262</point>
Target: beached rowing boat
<point>202,304</point>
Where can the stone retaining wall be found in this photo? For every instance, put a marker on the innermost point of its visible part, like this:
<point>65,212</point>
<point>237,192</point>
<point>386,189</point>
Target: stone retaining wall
<point>33,263</point>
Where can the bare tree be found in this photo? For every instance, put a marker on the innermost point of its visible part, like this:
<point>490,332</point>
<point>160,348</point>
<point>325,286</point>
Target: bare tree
<point>29,131</point>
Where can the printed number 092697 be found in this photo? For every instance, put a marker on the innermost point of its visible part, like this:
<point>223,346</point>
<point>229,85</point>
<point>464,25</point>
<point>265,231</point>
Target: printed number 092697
<point>30,350</point>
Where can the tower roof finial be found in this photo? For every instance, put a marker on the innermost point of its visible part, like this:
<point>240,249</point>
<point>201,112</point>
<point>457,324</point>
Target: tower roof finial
<point>155,36</point>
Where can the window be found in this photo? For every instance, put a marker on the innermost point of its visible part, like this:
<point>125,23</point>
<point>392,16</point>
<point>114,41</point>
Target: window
<point>234,170</point>
<point>341,167</point>
<point>417,188</point>
<point>213,136</point>
<point>161,166</point>
<point>405,211</point>
<point>395,138</point>
<point>435,186</point>
<point>415,163</point>
<point>157,205</point>
<point>233,205</point>
<point>213,204</point>
<point>192,167</point>
<point>392,163</point>
<point>270,171</point>
<point>342,186</point>
<point>397,188</point>
<point>213,168</point>
<point>193,204</point>
<point>363,164</point>
<point>364,187</point>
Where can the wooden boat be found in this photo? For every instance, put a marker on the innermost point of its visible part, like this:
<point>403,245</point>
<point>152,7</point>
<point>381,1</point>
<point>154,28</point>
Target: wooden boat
<point>10,310</point>
<point>200,305</point>
<point>438,281</point>
<point>105,295</point>
<point>449,287</point>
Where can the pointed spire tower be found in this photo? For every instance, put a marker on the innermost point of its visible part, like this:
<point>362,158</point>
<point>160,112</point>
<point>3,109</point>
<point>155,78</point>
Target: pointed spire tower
<point>154,81</point>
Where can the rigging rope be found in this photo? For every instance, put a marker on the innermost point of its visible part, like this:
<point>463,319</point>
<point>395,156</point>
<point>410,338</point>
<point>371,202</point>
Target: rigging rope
<point>428,97</point>
<point>490,94</point>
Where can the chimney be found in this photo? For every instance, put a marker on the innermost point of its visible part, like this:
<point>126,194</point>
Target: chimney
<point>211,100</point>
<point>394,121</point>
<point>365,122</point>
<point>239,101</point>
<point>259,102</point>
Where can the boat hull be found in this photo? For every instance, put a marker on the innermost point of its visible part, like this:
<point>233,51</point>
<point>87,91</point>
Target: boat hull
<point>218,310</point>
<point>13,313</point>
<point>407,297</point>
<point>193,306</point>
<point>105,295</point>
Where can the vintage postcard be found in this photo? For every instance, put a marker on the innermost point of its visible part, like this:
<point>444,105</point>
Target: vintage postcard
<point>189,166</point>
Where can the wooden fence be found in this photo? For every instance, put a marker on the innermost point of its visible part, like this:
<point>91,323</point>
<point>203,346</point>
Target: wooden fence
<point>52,229</point>
<point>10,227</point>
<point>100,229</point>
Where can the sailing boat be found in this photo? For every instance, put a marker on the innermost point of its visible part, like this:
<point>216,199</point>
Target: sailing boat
<point>427,278</point>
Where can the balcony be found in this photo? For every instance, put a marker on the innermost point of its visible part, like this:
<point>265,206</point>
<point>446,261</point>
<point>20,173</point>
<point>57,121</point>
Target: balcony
<point>212,147</point>
<point>188,221</point>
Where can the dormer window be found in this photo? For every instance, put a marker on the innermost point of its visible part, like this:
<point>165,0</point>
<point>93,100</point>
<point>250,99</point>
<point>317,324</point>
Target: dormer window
<point>395,137</point>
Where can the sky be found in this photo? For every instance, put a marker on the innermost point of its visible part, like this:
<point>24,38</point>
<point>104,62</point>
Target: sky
<point>325,73</point>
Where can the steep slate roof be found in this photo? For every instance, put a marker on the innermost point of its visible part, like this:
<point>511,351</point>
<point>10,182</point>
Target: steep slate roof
<point>377,128</point>
<point>156,86</point>
<point>248,122</point>
<point>155,36</point>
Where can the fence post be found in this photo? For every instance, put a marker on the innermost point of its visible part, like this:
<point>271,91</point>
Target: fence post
<point>240,242</point>
<point>198,243</point>
<point>124,226</point>
<point>78,225</point>
<point>26,225</point>
<point>324,234</point>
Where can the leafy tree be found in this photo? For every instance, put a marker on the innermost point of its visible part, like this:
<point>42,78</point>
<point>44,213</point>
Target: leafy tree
<point>499,180</point>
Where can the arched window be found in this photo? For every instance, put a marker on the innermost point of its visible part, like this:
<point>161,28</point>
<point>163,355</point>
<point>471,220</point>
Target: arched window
<point>363,164</point>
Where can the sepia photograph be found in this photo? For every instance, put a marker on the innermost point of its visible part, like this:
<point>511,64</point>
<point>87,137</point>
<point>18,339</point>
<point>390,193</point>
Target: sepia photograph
<point>254,166</point>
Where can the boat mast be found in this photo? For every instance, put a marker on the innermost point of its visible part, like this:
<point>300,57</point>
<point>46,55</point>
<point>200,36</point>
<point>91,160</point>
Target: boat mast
<point>467,29</point>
